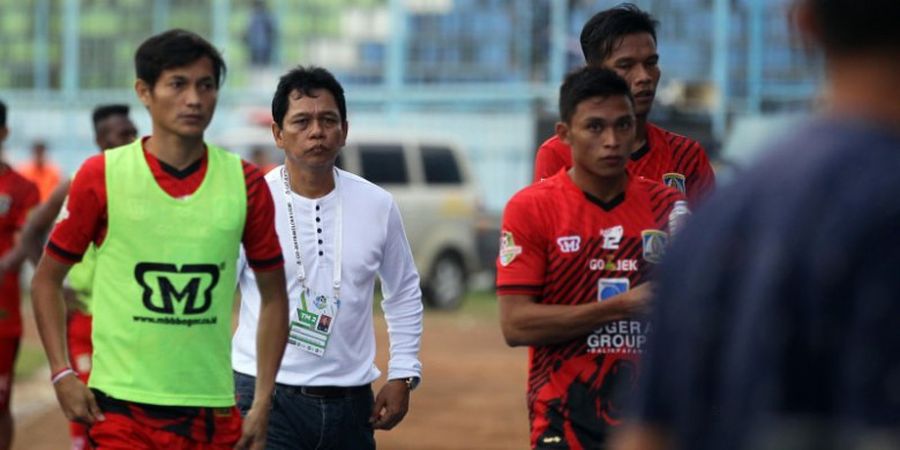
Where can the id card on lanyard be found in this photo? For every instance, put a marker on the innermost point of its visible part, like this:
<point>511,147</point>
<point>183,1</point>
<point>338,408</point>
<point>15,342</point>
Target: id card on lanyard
<point>316,313</point>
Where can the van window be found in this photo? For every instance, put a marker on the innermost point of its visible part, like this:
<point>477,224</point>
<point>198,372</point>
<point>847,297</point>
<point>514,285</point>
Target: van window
<point>440,165</point>
<point>383,164</point>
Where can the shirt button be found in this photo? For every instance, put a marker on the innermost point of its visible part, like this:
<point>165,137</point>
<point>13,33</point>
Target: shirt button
<point>320,242</point>
<point>321,253</point>
<point>317,207</point>
<point>318,219</point>
<point>319,230</point>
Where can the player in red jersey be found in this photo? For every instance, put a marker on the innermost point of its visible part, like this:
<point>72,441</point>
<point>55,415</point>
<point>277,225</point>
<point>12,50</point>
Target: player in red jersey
<point>623,39</point>
<point>179,75</point>
<point>575,258</point>
<point>17,197</point>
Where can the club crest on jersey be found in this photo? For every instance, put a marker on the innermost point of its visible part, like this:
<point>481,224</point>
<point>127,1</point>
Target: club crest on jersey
<point>654,244</point>
<point>569,244</point>
<point>610,287</point>
<point>611,237</point>
<point>508,248</point>
<point>675,180</point>
<point>5,203</point>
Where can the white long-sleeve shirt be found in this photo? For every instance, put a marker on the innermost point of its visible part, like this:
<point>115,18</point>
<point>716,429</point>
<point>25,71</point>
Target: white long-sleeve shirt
<point>374,244</point>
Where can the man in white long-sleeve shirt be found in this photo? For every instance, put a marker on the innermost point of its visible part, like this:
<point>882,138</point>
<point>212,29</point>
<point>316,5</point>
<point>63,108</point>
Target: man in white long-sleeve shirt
<point>339,232</point>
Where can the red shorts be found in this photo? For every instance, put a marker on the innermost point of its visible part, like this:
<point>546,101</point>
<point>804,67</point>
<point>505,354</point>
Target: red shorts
<point>131,426</point>
<point>80,347</point>
<point>9,348</point>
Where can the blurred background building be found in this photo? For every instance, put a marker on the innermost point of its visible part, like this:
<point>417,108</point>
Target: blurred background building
<point>483,73</point>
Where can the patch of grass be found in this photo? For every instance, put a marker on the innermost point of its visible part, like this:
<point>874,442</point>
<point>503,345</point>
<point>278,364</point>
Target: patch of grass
<point>30,359</point>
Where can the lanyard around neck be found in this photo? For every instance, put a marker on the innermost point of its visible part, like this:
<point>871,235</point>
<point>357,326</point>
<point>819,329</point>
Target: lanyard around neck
<point>338,229</point>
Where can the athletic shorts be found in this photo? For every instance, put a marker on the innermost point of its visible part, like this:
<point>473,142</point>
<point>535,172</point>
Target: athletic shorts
<point>135,426</point>
<point>9,348</point>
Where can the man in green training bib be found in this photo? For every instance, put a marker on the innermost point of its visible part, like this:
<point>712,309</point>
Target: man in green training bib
<point>167,214</point>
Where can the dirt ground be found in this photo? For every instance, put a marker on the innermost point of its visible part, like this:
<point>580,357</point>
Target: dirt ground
<point>472,395</point>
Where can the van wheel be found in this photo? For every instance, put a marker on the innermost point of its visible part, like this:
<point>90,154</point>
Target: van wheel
<point>447,283</point>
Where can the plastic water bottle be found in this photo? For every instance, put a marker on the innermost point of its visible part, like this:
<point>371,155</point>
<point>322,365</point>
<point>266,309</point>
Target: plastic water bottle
<point>678,217</point>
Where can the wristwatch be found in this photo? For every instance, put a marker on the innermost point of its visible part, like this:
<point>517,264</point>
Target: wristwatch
<point>411,383</point>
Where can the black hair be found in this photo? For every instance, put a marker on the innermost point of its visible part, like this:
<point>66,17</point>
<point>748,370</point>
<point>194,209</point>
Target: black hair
<point>603,32</point>
<point>848,25</point>
<point>171,49</point>
<point>305,80</point>
<point>103,111</point>
<point>589,82</point>
<point>2,114</point>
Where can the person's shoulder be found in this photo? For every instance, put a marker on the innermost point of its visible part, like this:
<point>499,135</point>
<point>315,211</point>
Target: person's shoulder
<point>363,188</point>
<point>547,190</point>
<point>653,187</point>
<point>554,144</point>
<point>92,166</point>
<point>15,174</point>
<point>676,142</point>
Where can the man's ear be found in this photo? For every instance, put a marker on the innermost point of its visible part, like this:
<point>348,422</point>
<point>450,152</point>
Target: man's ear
<point>345,131</point>
<point>4,132</point>
<point>276,134</point>
<point>562,132</point>
<point>143,91</point>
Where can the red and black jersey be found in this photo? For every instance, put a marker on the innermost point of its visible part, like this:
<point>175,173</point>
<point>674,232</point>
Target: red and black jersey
<point>84,217</point>
<point>17,197</point>
<point>565,247</point>
<point>667,157</point>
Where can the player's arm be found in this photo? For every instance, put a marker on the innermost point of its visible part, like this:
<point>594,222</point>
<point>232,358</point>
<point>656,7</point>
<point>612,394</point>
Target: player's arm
<point>524,321</point>
<point>67,244</point>
<point>272,331</point>
<point>263,253</point>
<point>702,181</point>
<point>546,163</point>
<point>41,220</point>
<point>46,296</point>
<point>23,213</point>
<point>75,399</point>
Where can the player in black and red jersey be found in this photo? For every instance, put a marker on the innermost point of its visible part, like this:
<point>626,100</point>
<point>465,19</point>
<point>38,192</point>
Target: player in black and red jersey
<point>623,39</point>
<point>575,259</point>
<point>17,197</point>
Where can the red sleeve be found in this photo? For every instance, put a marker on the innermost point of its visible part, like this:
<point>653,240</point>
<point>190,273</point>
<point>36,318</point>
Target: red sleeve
<point>260,240</point>
<point>30,197</point>
<point>548,160</point>
<point>84,215</point>
<point>522,262</point>
<point>702,180</point>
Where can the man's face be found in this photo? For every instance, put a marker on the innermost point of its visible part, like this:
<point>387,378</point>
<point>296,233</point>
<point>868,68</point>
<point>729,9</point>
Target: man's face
<point>183,100</point>
<point>313,131</point>
<point>601,134</point>
<point>635,59</point>
<point>115,131</point>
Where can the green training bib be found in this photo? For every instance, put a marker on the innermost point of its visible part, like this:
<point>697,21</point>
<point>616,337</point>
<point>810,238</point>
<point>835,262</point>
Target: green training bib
<point>164,284</point>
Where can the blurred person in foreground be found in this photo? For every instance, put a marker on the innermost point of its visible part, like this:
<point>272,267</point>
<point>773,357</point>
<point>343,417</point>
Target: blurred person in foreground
<point>167,214</point>
<point>40,170</point>
<point>778,318</point>
<point>576,255</point>
<point>17,197</point>
<point>339,232</point>
<point>623,39</point>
